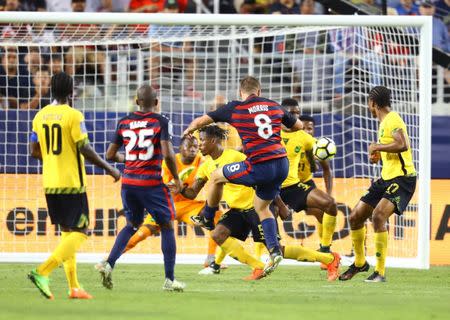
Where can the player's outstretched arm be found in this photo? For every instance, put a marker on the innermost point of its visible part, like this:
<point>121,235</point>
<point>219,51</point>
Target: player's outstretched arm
<point>198,123</point>
<point>327,176</point>
<point>89,153</point>
<point>400,144</point>
<point>191,193</point>
<point>171,163</point>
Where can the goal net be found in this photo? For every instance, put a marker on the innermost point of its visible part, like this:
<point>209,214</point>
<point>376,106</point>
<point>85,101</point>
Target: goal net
<point>328,64</point>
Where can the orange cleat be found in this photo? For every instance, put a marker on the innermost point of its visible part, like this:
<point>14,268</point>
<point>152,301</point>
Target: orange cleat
<point>323,266</point>
<point>78,293</point>
<point>256,274</point>
<point>333,267</point>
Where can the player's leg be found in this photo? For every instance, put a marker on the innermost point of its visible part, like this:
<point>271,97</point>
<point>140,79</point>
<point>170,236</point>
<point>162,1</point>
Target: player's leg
<point>357,219</point>
<point>215,191</point>
<point>148,228</point>
<point>320,200</point>
<point>318,214</point>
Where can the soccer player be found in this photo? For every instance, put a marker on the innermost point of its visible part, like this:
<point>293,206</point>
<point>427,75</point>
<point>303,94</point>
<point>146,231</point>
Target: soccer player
<point>242,218</point>
<point>188,162</point>
<point>299,190</point>
<point>60,140</point>
<point>389,194</point>
<point>258,122</point>
<point>146,135</point>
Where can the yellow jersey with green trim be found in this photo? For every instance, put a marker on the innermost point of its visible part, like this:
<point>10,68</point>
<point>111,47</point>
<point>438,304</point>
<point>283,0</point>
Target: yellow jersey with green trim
<point>60,132</point>
<point>298,144</point>
<point>236,196</point>
<point>394,164</point>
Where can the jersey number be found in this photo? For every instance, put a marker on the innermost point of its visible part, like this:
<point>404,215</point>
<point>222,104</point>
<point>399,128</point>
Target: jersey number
<point>143,141</point>
<point>53,138</point>
<point>262,121</point>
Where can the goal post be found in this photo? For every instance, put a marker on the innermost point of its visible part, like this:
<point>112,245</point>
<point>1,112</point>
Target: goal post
<point>328,63</point>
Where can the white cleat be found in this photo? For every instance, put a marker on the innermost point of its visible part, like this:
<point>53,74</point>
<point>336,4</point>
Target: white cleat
<point>174,285</point>
<point>272,263</point>
<point>105,270</point>
<point>208,271</point>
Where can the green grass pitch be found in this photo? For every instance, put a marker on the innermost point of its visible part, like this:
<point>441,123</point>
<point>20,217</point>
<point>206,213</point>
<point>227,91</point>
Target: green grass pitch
<point>289,293</point>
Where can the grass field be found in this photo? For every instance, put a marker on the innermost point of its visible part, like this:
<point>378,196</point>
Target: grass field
<point>290,293</point>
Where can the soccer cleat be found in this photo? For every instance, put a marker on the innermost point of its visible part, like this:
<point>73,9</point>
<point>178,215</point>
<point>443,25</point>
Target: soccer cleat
<point>174,285</point>
<point>213,268</point>
<point>375,277</point>
<point>79,293</point>
<point>209,259</point>
<point>274,260</point>
<point>201,221</point>
<point>353,270</point>
<point>324,249</point>
<point>41,282</point>
<point>257,274</point>
<point>333,267</point>
<point>105,270</point>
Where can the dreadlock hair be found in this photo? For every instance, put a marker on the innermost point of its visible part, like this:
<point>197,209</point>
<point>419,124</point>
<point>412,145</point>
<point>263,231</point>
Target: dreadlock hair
<point>289,102</point>
<point>381,96</point>
<point>213,130</point>
<point>62,86</point>
<point>307,118</point>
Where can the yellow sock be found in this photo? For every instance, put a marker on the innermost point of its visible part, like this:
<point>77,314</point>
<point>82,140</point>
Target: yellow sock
<point>259,249</point>
<point>142,234</point>
<point>320,230</point>
<point>220,255</point>
<point>70,267</point>
<point>300,253</point>
<point>66,249</point>
<point>329,224</point>
<point>234,249</point>
<point>358,237</point>
<point>381,241</point>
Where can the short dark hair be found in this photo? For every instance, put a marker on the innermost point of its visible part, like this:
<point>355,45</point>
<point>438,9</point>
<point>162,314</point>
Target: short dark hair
<point>215,131</point>
<point>381,96</point>
<point>289,102</point>
<point>62,85</point>
<point>249,84</point>
<point>305,117</point>
<point>187,138</point>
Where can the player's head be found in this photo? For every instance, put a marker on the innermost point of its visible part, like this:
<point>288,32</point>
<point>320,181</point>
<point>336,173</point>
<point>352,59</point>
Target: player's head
<point>78,5</point>
<point>379,98</point>
<point>308,124</point>
<point>211,138</point>
<point>146,98</point>
<point>291,106</point>
<point>62,86</point>
<point>188,148</point>
<point>248,86</point>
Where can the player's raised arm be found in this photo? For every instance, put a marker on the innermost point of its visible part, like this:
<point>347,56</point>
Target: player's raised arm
<point>400,144</point>
<point>198,123</point>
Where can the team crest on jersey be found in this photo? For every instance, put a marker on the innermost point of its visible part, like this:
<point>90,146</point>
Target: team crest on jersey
<point>285,140</point>
<point>297,149</point>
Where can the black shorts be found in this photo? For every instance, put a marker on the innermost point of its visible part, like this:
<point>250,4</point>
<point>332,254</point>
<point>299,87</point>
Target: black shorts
<point>399,191</point>
<point>240,223</point>
<point>295,196</point>
<point>68,210</point>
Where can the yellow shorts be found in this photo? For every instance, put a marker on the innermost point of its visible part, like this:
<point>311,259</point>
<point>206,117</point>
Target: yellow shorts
<point>184,210</point>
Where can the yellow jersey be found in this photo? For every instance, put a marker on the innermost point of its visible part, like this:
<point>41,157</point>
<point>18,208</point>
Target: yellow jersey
<point>61,131</point>
<point>298,144</point>
<point>236,196</point>
<point>186,173</point>
<point>394,164</point>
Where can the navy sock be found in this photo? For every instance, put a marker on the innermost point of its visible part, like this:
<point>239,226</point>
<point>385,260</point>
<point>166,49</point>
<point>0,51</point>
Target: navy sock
<point>270,233</point>
<point>121,242</point>
<point>210,212</point>
<point>169,249</point>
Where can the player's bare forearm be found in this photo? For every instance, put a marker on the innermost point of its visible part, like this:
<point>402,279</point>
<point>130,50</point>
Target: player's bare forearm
<point>113,154</point>
<point>35,150</point>
<point>89,153</point>
<point>399,144</point>
<point>192,192</point>
<point>198,123</point>
<point>327,176</point>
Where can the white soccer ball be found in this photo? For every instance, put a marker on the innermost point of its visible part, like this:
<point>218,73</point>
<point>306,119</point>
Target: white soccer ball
<point>324,149</point>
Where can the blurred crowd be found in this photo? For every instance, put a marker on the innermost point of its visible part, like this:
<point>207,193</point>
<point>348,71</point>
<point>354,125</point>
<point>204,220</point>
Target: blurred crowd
<point>25,71</point>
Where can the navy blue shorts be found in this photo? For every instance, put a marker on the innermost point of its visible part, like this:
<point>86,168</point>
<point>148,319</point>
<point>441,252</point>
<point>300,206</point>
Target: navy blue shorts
<point>266,176</point>
<point>156,200</point>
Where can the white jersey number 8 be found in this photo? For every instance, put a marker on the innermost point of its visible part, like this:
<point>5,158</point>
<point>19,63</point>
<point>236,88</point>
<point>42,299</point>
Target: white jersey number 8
<point>263,122</point>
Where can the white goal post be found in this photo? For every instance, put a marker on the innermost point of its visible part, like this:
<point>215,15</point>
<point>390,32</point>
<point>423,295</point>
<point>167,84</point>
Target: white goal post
<point>295,55</point>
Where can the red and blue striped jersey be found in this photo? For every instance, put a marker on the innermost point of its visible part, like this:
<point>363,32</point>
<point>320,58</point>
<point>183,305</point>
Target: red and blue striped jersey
<point>258,121</point>
<point>141,134</point>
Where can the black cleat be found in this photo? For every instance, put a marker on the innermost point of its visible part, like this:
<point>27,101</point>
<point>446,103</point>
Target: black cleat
<point>353,270</point>
<point>375,277</point>
<point>201,221</point>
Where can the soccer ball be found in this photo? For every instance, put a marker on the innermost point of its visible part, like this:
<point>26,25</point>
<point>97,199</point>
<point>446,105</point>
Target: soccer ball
<point>324,149</point>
